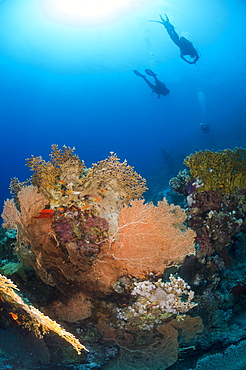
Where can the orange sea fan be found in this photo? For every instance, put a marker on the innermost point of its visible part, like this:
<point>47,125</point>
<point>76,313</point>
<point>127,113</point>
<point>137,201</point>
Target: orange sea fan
<point>149,239</point>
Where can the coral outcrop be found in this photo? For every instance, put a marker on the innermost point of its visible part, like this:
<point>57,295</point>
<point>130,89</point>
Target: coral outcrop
<point>223,170</point>
<point>215,190</point>
<point>87,233</point>
<point>85,229</point>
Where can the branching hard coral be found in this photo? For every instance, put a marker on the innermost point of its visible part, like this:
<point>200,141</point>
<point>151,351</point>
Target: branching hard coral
<point>223,170</point>
<point>34,319</point>
<point>65,166</point>
<point>61,156</point>
<point>111,174</point>
<point>106,187</point>
<point>113,184</point>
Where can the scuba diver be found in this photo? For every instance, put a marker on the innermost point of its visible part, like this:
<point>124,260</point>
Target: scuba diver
<point>159,88</point>
<point>185,46</point>
<point>205,128</point>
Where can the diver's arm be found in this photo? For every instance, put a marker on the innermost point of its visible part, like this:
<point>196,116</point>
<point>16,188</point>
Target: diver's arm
<point>190,61</point>
<point>187,61</point>
<point>197,56</point>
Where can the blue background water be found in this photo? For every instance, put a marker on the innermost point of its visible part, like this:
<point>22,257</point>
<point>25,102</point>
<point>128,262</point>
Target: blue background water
<point>74,84</point>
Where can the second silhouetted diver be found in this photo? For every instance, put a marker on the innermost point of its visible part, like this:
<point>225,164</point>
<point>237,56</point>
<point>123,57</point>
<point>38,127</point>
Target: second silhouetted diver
<point>159,88</point>
<point>185,46</point>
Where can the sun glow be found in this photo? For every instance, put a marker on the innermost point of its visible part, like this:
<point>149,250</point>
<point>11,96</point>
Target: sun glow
<point>88,11</point>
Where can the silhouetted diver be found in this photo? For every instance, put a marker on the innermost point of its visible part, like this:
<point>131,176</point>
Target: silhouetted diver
<point>185,46</point>
<point>159,88</point>
<point>205,127</point>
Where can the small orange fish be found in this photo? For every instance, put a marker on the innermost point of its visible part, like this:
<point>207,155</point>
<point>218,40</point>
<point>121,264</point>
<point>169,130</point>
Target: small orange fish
<point>96,198</point>
<point>85,207</point>
<point>60,208</point>
<point>14,316</point>
<point>46,213</point>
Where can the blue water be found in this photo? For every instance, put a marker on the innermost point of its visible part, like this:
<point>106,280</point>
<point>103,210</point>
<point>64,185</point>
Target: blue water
<point>73,84</point>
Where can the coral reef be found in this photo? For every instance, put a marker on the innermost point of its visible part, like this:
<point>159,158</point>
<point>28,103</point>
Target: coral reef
<point>216,218</point>
<point>140,284</point>
<point>215,192</point>
<point>75,241</point>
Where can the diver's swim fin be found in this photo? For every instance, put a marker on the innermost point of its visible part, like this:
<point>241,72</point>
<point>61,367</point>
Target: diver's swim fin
<point>138,73</point>
<point>150,73</point>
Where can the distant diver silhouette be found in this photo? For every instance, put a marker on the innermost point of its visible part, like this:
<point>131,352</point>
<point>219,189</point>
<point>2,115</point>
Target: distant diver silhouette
<point>205,128</point>
<point>185,46</point>
<point>159,88</point>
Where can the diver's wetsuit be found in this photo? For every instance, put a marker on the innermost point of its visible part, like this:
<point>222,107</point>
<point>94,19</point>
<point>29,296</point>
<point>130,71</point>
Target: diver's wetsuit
<point>159,88</point>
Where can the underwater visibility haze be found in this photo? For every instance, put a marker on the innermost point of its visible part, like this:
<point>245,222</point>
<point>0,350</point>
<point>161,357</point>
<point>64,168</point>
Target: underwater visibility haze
<point>72,83</point>
<point>102,88</point>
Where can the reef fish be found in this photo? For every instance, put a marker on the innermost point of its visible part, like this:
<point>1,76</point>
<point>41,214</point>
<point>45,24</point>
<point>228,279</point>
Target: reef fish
<point>46,213</point>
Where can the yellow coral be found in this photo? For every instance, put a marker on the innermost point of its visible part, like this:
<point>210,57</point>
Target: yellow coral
<point>65,179</point>
<point>65,166</point>
<point>111,174</point>
<point>223,170</point>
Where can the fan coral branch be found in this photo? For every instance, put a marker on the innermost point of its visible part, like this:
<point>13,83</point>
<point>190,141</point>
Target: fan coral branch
<point>31,203</point>
<point>36,319</point>
<point>152,238</point>
<point>148,240</point>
